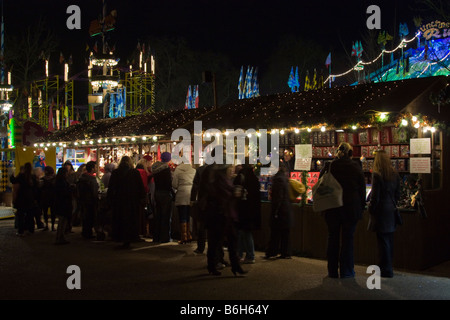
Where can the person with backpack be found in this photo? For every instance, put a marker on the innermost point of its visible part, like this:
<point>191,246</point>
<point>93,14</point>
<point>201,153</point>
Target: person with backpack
<point>87,189</point>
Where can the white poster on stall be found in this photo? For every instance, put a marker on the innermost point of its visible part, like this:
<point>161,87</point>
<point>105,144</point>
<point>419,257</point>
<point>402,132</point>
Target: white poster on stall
<point>420,165</point>
<point>420,146</point>
<point>302,164</point>
<point>303,155</point>
<point>303,151</point>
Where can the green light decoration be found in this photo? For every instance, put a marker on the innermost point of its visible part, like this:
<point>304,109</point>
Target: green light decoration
<point>11,134</point>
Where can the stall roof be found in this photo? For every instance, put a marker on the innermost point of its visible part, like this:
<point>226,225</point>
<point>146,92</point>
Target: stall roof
<point>336,106</point>
<point>159,123</point>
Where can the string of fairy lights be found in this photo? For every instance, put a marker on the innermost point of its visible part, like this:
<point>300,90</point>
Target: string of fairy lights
<point>298,113</point>
<point>376,118</point>
<point>360,64</point>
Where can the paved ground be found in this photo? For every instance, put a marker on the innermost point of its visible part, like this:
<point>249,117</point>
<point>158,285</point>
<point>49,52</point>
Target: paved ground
<point>33,268</point>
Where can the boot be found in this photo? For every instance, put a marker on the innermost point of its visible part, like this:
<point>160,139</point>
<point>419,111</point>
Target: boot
<point>183,233</point>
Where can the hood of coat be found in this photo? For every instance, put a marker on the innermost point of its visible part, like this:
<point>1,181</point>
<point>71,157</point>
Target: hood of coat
<point>159,166</point>
<point>185,168</point>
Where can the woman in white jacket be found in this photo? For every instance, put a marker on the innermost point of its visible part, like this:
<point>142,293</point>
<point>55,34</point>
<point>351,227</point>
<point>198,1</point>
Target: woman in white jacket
<point>182,181</point>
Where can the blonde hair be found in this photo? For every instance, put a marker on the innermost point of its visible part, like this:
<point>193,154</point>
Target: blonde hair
<point>383,165</point>
<point>344,150</point>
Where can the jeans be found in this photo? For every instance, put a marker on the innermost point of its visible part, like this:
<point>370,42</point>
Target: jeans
<point>385,253</point>
<point>246,245</point>
<point>340,254</point>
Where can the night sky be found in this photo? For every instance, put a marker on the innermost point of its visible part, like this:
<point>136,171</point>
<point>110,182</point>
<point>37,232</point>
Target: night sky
<point>245,30</point>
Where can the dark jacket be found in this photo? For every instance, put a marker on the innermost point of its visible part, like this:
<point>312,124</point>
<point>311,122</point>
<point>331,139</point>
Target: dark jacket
<point>47,191</point>
<point>87,189</point>
<point>351,178</point>
<point>197,191</point>
<point>383,201</point>
<point>63,197</point>
<point>162,177</point>
<point>28,193</point>
<point>249,207</point>
<point>281,206</point>
<point>126,194</point>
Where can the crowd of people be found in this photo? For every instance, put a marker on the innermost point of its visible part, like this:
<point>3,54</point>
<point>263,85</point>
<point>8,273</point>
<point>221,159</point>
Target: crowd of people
<point>222,200</point>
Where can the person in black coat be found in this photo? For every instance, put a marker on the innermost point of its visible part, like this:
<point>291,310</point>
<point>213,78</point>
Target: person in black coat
<point>382,207</point>
<point>125,194</point>
<point>222,218</point>
<point>281,216</point>
<point>87,190</point>
<point>63,203</point>
<point>47,199</point>
<point>26,198</point>
<point>198,192</point>
<point>249,212</point>
<point>342,221</point>
<point>164,197</point>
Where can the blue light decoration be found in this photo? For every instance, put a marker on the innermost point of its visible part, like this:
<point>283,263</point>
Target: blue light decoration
<point>192,98</point>
<point>403,30</point>
<point>248,86</point>
<point>294,82</point>
<point>241,83</point>
<point>117,107</point>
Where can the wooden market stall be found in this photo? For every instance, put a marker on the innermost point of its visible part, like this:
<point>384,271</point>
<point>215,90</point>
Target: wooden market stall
<point>395,116</point>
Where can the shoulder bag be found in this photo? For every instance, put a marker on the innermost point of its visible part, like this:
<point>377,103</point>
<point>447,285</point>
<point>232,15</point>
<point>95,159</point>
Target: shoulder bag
<point>327,193</point>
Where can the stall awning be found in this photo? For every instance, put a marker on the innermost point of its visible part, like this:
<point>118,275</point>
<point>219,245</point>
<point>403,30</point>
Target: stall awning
<point>337,107</point>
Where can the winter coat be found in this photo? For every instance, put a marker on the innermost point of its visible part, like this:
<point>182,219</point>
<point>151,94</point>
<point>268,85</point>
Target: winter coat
<point>109,167</point>
<point>383,202</point>
<point>63,198</point>
<point>27,194</point>
<point>350,176</point>
<point>87,187</point>
<point>162,177</point>
<point>281,213</point>
<point>249,207</point>
<point>182,181</point>
<point>47,193</point>
<point>145,179</point>
<point>126,194</point>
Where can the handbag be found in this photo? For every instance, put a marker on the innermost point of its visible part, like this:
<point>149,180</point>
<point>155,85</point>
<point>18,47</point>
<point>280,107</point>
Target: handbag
<point>327,192</point>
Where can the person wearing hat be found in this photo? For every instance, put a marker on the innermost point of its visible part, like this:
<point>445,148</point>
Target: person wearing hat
<point>163,199</point>
<point>342,221</point>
